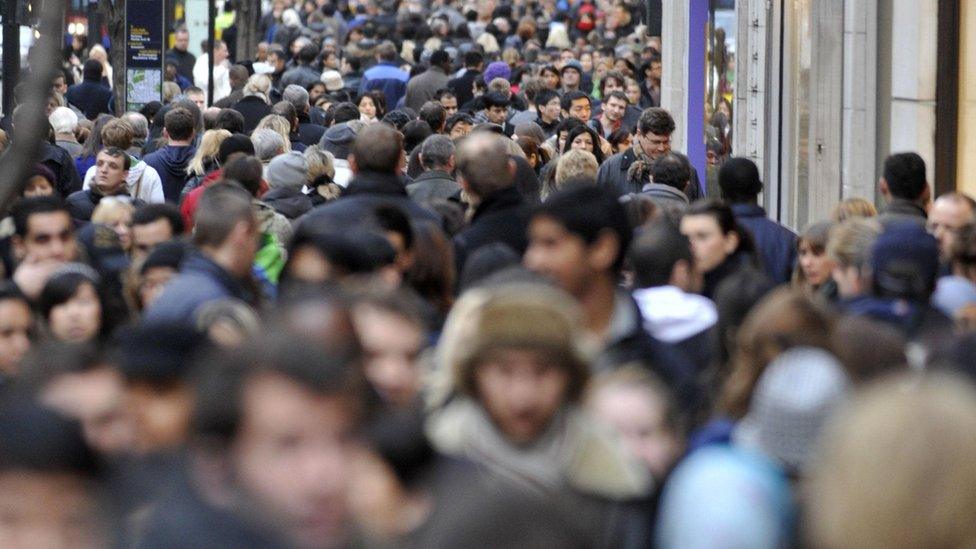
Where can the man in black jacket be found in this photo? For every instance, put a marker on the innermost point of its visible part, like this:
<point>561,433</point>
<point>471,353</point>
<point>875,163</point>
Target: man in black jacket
<point>486,174</point>
<point>111,170</point>
<point>91,97</point>
<point>184,59</point>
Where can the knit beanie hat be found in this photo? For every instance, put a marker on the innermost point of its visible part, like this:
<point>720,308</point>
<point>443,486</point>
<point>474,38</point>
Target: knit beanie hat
<point>498,69</point>
<point>287,170</point>
<point>338,140</point>
<point>791,403</point>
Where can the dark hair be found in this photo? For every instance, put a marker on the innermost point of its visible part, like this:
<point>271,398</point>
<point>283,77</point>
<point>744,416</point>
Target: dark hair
<point>579,130</point>
<point>432,273</point>
<point>92,70</point>
<point>473,58</point>
<point>116,152</point>
<point>616,75</point>
<point>905,174</point>
<point>414,133</point>
<point>391,219</point>
<point>588,212</point>
<point>285,110</point>
<point>94,142</point>
<point>180,124</point>
<point>23,209</point>
<point>456,119</point>
<point>671,170</point>
<point>344,112</point>
<point>378,148</point>
<point>655,252</point>
<point>222,206</point>
<point>60,288</point>
<point>571,96</point>
<point>237,143</point>
<point>655,120</point>
<point>36,438</point>
<point>224,375</point>
<point>230,120</point>
<point>616,95</point>
<point>434,114</point>
<point>307,55</point>
<point>545,96</point>
<point>379,100</point>
<point>151,213</point>
<point>738,179</point>
<point>618,135</point>
<point>496,99</point>
<point>246,170</point>
<point>723,216</point>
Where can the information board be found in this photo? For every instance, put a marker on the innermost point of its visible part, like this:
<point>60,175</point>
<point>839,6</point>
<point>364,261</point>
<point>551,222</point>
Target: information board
<point>144,37</point>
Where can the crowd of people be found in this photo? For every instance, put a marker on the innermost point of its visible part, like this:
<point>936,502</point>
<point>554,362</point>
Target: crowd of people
<point>429,274</point>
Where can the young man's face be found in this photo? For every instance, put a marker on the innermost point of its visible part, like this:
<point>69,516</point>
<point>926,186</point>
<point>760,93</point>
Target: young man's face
<point>392,346</point>
<point>60,85</point>
<point>146,237</point>
<point>293,455</point>
<point>614,109</point>
<point>654,145</point>
<point>50,236</point>
<point>558,255</point>
<point>521,390</point>
<point>460,130</point>
<point>612,85</point>
<point>550,111</point>
<point>182,41</point>
<point>496,114</point>
<point>450,104</point>
<point>571,79</point>
<point>110,174</point>
<point>580,109</point>
<point>199,99</point>
<point>16,321</point>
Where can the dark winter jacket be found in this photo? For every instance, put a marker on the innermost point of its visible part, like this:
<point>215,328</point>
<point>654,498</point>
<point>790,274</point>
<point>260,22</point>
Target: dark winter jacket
<point>389,79</point>
<point>60,162</point>
<point>289,202</point>
<point>253,109</point>
<point>82,205</point>
<point>200,281</point>
<point>302,75</point>
<point>91,98</point>
<point>501,217</point>
<point>184,62</point>
<point>433,185</point>
<point>170,162</point>
<point>309,132</point>
<point>775,243</point>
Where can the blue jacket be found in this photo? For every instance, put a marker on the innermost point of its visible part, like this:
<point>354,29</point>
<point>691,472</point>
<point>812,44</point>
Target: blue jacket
<point>171,162</point>
<point>775,243</point>
<point>387,78</point>
<point>91,98</point>
<point>200,281</point>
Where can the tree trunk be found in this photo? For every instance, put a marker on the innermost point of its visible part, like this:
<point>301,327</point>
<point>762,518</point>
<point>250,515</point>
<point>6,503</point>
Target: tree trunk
<point>114,13</point>
<point>246,21</point>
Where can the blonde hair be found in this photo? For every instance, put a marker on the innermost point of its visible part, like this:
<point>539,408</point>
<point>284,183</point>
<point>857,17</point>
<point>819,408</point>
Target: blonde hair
<point>318,162</point>
<point>258,85</point>
<point>110,209</point>
<point>278,124</point>
<point>896,468</point>
<point>170,90</point>
<point>209,145</point>
<point>849,244</point>
<point>851,208</point>
<point>575,164</point>
<point>488,42</point>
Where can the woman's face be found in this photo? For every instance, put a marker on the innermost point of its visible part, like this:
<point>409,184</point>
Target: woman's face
<point>367,108</point>
<point>38,186</point>
<point>122,225</point>
<point>587,61</point>
<point>583,142</point>
<point>331,60</point>
<point>633,93</point>
<point>80,318</point>
<point>815,264</point>
<point>316,92</point>
<point>551,79</point>
<point>709,244</point>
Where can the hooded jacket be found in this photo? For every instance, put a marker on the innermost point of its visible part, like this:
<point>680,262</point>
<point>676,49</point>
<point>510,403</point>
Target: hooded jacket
<point>665,196</point>
<point>679,318</point>
<point>200,281</point>
<point>143,182</point>
<point>170,163</point>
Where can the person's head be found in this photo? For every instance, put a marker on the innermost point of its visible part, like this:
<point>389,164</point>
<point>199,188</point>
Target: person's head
<point>286,110</point>
<point>671,170</point>
<point>139,123</point>
<point>371,105</point>
<point>156,268</point>
<point>783,320</point>
<point>434,114</point>
<point>92,70</point>
<point>571,73</point>
<point>111,170</point>
<point>633,91</point>
<point>153,224</point>
<point>815,266</point>
<point>642,410</point>
<point>117,133</point>
<point>739,180</point>
<point>653,133</point>
<point>437,153</point>
<point>904,178</point>
<point>516,349</point>
<point>458,126</point>
<point>574,165</point>
<point>268,144</point>
<point>258,85</point>
<point>72,305</point>
<point>548,105</point>
<point>614,106</point>
<point>246,171</point>
<point>713,232</point>
<point>949,214</point>
<point>282,388</point>
<point>16,328</point>
<point>116,213</point>
<point>904,263</point>
<point>392,334</point>
<point>229,120</point>
<point>919,426</point>
<point>414,133</point>
<point>49,490</point>
<point>43,230</point>
<point>297,96</point>
<point>196,96</point>
<point>483,164</point>
<point>578,237</point>
<point>179,125</point>
<point>550,77</point>
<point>853,207</point>
<point>220,51</point>
<point>849,248</point>
<point>447,100</point>
<point>237,74</point>
<point>378,148</point>
<point>307,55</point>
<point>225,227</point>
<point>41,182</point>
<point>584,138</point>
<point>576,104</point>
<point>496,107</point>
<point>63,120</point>
<point>386,52</point>
<point>661,256</point>
<point>182,39</point>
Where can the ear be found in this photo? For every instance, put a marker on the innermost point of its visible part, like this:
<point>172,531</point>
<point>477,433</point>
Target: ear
<point>604,250</point>
<point>165,134</point>
<point>681,274</point>
<point>451,164</point>
<point>926,196</point>
<point>883,187</point>
<point>352,163</point>
<point>731,242</point>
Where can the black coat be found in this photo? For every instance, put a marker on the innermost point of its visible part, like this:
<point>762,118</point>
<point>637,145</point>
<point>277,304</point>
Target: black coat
<point>462,86</point>
<point>501,217</point>
<point>82,205</point>
<point>775,243</point>
<point>91,98</point>
<point>253,109</point>
<point>60,162</point>
<point>308,132</point>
